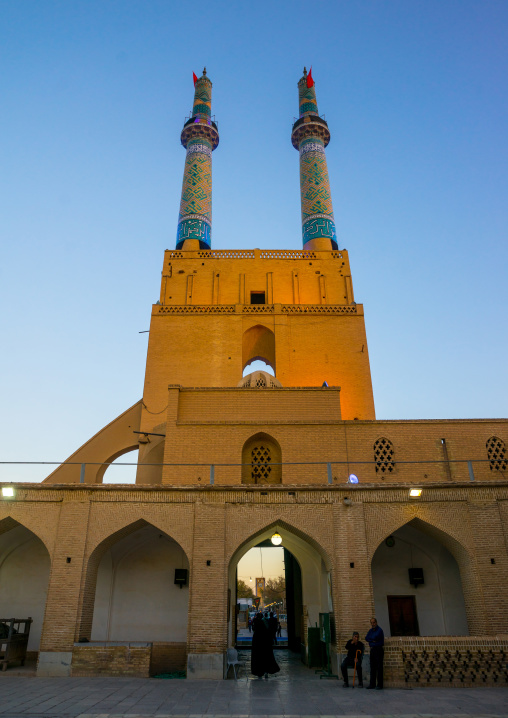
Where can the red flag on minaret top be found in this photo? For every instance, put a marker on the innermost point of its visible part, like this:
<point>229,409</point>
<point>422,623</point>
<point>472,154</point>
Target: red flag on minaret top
<point>310,81</point>
<point>194,78</point>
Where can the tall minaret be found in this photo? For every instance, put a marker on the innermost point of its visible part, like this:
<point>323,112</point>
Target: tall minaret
<point>200,137</point>
<point>310,136</point>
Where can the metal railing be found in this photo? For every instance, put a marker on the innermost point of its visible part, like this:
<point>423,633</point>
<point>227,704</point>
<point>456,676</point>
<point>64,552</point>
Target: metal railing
<point>293,473</point>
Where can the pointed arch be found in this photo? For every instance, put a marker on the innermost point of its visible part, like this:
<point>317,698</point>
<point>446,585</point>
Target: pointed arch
<point>9,522</point>
<point>261,460</point>
<point>92,565</point>
<point>284,527</point>
<point>25,564</point>
<point>258,342</point>
<point>471,584</point>
<point>313,562</point>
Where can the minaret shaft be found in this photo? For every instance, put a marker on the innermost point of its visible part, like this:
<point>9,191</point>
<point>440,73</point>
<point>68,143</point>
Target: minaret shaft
<point>200,137</point>
<point>310,136</point>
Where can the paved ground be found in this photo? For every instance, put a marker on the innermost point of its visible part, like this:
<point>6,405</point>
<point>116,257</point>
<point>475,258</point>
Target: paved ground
<point>295,692</point>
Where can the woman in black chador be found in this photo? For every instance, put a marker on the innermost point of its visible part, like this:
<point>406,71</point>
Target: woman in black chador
<point>262,658</point>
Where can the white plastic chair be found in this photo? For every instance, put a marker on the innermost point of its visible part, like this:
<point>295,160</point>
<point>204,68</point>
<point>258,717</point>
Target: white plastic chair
<point>232,660</point>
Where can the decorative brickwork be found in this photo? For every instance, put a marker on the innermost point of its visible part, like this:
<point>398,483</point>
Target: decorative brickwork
<point>496,450</point>
<point>440,661</point>
<point>383,456</point>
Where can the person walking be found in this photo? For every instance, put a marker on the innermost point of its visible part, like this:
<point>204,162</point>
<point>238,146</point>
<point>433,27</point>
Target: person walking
<point>355,650</point>
<point>249,624</point>
<point>262,658</point>
<point>376,640</point>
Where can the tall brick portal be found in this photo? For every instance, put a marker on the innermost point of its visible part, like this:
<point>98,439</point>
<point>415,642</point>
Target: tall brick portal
<point>202,498</point>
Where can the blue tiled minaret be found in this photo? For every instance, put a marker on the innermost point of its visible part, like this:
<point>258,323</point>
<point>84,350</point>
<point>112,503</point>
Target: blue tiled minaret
<point>200,137</point>
<point>310,136</point>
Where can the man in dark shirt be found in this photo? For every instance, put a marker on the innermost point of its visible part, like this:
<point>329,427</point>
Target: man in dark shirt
<point>355,650</point>
<point>376,640</point>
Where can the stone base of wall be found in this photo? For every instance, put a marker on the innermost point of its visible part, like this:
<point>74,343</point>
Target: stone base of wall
<point>111,659</point>
<point>452,661</point>
<point>168,657</point>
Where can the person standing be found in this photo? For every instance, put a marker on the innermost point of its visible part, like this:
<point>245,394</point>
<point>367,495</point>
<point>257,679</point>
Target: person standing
<point>376,640</point>
<point>355,650</point>
<point>262,660</point>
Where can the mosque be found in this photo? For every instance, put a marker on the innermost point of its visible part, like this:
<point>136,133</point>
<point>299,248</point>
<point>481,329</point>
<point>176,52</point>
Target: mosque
<point>405,520</point>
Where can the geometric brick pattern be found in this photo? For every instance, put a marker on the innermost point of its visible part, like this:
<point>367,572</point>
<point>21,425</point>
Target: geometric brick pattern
<point>260,464</point>
<point>496,451</point>
<point>455,666</point>
<point>383,455</point>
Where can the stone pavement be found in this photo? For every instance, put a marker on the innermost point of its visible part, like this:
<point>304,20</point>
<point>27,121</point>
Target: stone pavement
<point>294,693</point>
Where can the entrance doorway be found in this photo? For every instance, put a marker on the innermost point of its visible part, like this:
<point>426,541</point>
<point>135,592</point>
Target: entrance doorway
<point>296,587</point>
<point>402,616</point>
<point>269,579</point>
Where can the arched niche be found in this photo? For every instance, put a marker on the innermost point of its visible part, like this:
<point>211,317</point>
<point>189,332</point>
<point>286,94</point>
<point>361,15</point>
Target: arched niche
<point>130,575</point>
<point>24,575</point>
<point>258,342</point>
<point>136,598</point>
<point>261,460</point>
<point>435,608</point>
<point>315,569</point>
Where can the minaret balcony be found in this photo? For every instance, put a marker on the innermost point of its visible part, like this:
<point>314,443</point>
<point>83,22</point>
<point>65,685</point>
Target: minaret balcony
<point>200,130</point>
<point>310,126</point>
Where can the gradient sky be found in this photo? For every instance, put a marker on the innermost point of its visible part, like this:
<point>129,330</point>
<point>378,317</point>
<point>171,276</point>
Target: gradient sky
<point>94,95</point>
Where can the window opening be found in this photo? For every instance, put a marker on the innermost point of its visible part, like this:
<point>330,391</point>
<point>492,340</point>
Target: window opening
<point>257,298</point>
<point>383,456</point>
<point>261,469</point>
<point>258,365</point>
<point>496,451</point>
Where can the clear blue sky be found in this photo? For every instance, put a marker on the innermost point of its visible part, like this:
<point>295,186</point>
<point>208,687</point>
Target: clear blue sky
<point>94,95</point>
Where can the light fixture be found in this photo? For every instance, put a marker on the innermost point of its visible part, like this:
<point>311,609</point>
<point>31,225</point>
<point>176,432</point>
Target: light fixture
<point>353,479</point>
<point>415,492</point>
<point>276,539</point>
<point>7,491</point>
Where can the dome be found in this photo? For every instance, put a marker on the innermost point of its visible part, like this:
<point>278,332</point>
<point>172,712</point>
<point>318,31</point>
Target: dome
<point>259,380</point>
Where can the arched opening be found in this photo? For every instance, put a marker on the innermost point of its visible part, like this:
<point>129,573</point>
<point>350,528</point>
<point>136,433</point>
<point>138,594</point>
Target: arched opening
<point>24,575</point>
<point>258,365</point>
<point>114,471</point>
<point>258,344</point>
<point>261,460</point>
<point>296,587</point>
<point>417,585</point>
<point>137,589</point>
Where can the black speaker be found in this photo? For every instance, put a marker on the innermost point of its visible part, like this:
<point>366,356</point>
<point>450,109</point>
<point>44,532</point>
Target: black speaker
<point>416,577</point>
<point>181,576</point>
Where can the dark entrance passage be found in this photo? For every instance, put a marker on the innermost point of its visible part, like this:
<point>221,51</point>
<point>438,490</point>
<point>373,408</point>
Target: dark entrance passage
<point>402,615</point>
<point>294,602</point>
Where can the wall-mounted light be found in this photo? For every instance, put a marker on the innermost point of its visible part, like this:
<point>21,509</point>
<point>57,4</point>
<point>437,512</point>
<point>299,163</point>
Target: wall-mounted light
<point>7,492</point>
<point>276,539</point>
<point>415,492</point>
<point>353,479</point>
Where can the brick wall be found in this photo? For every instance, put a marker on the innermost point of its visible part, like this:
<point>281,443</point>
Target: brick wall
<point>446,661</point>
<point>111,660</point>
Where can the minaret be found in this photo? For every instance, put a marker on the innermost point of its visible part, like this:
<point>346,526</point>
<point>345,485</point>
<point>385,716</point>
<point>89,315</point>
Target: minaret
<point>310,136</point>
<point>200,137</point>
